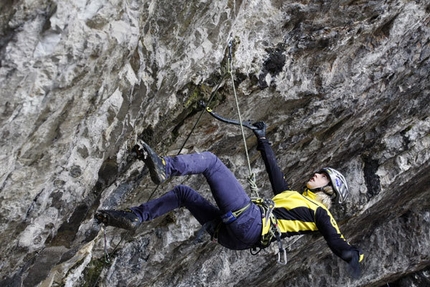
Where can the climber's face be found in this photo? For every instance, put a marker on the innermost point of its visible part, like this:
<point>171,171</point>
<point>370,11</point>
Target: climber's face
<point>317,180</point>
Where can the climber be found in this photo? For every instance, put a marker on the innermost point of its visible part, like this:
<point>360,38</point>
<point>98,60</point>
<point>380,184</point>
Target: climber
<point>237,222</point>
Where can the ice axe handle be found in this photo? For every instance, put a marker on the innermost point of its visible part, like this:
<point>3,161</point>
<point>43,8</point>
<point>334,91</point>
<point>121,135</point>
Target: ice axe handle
<point>247,124</point>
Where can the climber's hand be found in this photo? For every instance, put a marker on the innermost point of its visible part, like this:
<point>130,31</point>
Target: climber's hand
<point>260,130</point>
<point>353,258</point>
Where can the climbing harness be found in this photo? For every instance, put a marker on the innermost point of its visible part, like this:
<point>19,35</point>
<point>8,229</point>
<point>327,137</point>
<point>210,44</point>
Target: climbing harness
<point>231,216</point>
<point>270,229</point>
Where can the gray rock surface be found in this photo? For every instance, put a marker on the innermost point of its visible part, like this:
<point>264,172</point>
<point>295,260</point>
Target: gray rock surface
<point>340,83</point>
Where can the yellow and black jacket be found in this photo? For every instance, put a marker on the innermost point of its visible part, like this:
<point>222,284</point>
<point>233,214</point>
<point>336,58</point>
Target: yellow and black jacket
<point>297,213</point>
<point>300,214</point>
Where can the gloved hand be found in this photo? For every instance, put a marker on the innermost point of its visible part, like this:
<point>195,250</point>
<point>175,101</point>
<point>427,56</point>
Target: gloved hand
<point>353,258</point>
<point>260,130</point>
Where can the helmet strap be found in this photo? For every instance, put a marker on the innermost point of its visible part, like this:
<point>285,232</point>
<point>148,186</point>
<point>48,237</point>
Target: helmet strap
<point>323,189</point>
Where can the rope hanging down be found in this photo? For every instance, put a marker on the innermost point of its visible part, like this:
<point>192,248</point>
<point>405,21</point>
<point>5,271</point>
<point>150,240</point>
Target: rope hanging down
<point>251,178</point>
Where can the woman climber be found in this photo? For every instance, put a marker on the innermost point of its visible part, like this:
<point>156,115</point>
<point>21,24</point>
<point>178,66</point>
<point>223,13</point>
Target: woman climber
<point>237,222</point>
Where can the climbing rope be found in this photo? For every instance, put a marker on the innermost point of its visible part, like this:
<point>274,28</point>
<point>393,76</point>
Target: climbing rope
<point>251,178</point>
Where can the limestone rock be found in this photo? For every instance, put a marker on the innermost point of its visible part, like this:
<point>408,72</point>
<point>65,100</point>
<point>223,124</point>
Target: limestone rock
<point>339,83</point>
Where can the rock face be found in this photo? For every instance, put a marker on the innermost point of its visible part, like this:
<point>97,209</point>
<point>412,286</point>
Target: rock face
<point>339,83</point>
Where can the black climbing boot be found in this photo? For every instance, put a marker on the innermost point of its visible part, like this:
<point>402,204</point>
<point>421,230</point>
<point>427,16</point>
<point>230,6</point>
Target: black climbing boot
<point>125,219</point>
<point>155,164</point>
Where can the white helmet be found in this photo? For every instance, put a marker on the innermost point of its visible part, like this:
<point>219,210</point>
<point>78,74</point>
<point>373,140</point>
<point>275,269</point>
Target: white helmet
<point>338,182</point>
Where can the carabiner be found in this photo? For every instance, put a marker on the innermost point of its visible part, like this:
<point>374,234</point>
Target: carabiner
<point>284,251</point>
<point>281,249</point>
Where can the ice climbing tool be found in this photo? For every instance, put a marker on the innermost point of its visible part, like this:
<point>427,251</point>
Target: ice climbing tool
<point>247,124</point>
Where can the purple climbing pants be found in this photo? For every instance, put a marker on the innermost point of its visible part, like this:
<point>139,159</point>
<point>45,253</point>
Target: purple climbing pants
<point>229,195</point>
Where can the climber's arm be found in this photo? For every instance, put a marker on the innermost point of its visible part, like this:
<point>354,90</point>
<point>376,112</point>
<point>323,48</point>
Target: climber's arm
<point>276,176</point>
<point>337,243</point>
